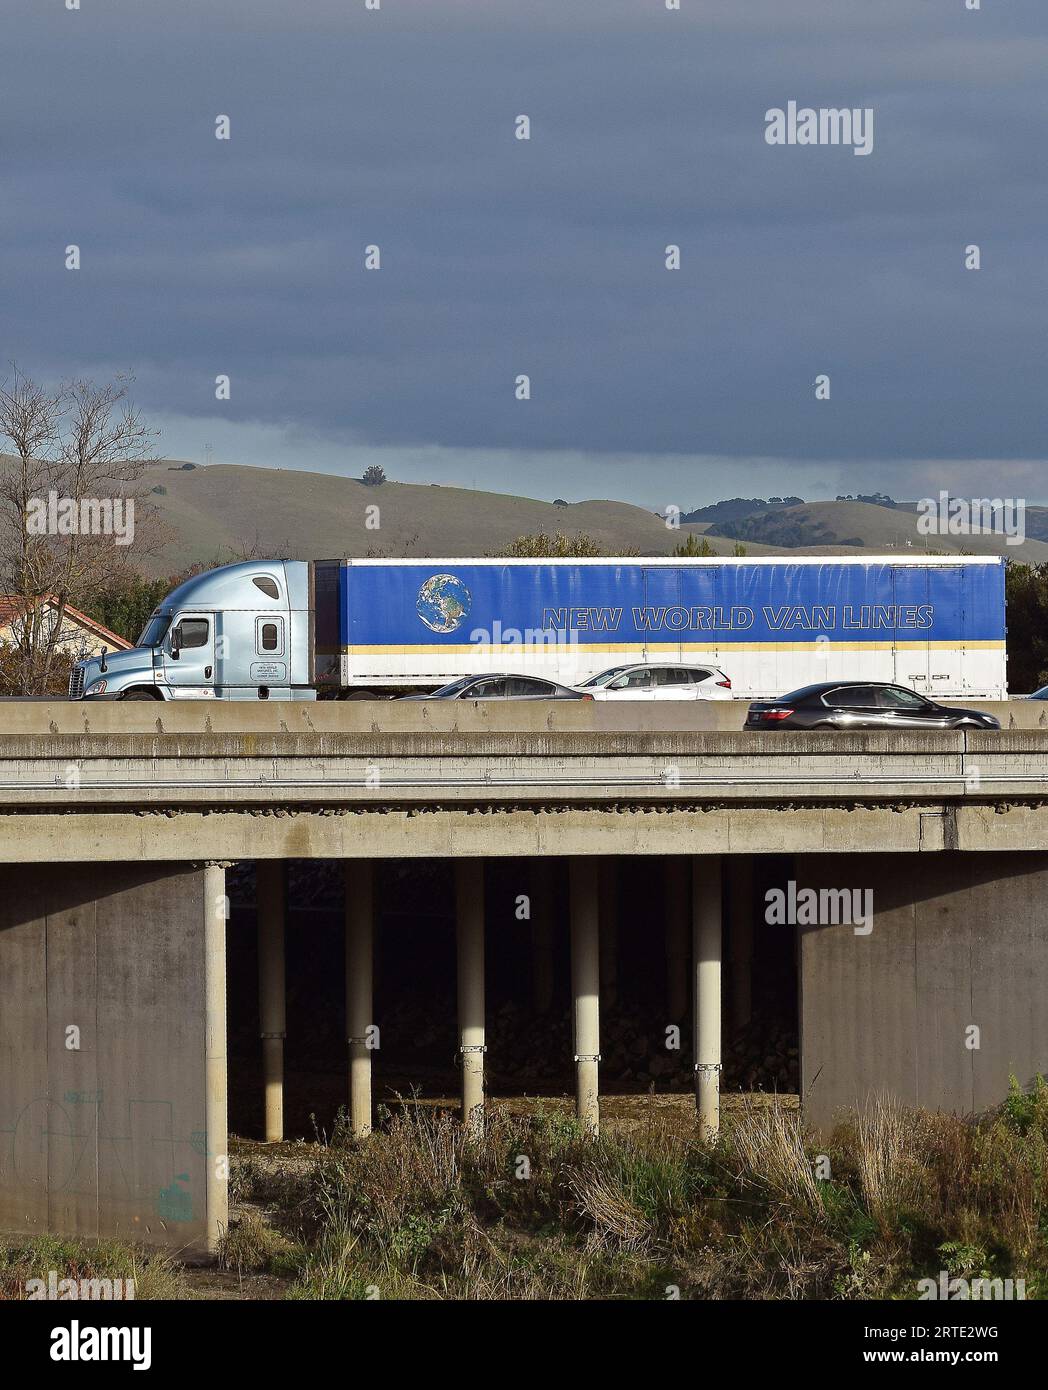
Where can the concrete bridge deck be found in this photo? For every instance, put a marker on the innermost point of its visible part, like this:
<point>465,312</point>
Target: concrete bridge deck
<point>337,781</point>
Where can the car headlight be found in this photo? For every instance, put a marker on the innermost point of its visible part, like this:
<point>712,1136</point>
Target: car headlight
<point>99,688</point>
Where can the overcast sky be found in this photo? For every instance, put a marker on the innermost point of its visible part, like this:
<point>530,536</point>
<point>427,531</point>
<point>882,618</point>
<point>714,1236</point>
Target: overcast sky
<point>349,127</point>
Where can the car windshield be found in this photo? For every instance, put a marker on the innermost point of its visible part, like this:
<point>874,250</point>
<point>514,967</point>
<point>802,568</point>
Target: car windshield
<point>153,632</point>
<point>603,677</point>
<point>455,686</point>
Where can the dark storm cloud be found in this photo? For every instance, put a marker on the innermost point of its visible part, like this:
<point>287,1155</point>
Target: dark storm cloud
<point>500,257</point>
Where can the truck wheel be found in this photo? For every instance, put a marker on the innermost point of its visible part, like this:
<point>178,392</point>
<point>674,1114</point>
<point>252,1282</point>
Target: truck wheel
<point>360,695</point>
<point>137,695</point>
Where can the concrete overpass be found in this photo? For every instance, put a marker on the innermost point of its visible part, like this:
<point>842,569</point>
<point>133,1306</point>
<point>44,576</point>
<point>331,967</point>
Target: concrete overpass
<point>474,790</point>
<point>122,819</point>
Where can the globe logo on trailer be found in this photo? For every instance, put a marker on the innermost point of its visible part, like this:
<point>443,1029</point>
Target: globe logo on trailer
<point>444,602</point>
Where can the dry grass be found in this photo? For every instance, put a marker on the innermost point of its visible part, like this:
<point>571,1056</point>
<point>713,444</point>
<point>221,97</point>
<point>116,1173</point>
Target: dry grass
<point>890,1158</point>
<point>614,1219</point>
<point>769,1142</point>
<point>536,1209</point>
<point>156,1273</point>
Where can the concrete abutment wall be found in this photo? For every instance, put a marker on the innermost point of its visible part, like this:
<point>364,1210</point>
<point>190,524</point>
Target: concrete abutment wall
<point>945,997</point>
<point>104,977</point>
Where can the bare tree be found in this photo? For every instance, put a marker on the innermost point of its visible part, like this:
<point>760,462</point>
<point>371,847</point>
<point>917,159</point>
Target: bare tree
<point>30,419</point>
<point>71,518</point>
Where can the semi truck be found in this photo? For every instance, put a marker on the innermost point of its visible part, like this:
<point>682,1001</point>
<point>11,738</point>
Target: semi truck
<point>299,630</point>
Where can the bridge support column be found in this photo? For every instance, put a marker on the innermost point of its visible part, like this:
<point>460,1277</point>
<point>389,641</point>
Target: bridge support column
<point>469,919</point>
<point>360,934</point>
<point>271,898</point>
<point>216,1116</point>
<point>706,959</point>
<point>741,940</point>
<point>585,988</point>
<point>542,921</point>
<point>676,937</point>
<point>609,930</point>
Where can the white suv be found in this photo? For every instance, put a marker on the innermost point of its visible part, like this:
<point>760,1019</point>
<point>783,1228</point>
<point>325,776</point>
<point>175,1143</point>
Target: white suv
<point>643,682</point>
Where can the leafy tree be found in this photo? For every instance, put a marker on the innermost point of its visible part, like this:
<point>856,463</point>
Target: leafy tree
<point>1026,590</point>
<point>559,546</point>
<point>374,476</point>
<point>125,607</point>
<point>692,548</point>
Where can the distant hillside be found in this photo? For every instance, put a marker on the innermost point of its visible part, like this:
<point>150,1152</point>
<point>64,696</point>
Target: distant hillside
<point>793,527</point>
<point>220,512</point>
<point>872,526</point>
<point>734,507</point>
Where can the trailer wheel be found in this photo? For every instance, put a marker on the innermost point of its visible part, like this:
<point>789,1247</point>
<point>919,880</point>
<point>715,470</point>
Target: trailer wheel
<point>359,695</point>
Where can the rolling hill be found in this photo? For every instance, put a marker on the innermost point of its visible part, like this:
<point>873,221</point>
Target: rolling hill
<point>226,511</point>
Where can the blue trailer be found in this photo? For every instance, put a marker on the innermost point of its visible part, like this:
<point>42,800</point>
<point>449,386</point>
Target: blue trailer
<point>772,624</point>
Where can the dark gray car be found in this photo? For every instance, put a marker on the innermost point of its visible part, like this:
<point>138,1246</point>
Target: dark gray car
<point>502,687</point>
<point>861,705</point>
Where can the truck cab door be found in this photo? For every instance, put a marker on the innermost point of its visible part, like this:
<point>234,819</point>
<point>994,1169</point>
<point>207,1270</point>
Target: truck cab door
<point>189,656</point>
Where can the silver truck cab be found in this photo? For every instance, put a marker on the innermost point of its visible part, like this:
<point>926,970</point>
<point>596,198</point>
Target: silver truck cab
<point>242,632</point>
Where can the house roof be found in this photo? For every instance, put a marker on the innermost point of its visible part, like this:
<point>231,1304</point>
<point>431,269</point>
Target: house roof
<point>13,606</point>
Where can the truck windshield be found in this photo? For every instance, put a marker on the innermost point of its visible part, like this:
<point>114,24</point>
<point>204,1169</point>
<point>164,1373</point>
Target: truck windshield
<point>153,632</point>
<point>603,677</point>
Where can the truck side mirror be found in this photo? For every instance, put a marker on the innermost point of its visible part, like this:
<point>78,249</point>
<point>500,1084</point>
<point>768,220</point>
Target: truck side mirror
<point>176,644</point>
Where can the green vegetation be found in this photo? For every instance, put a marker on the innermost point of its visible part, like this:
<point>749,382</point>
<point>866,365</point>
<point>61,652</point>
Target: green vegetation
<point>559,546</point>
<point>537,1210</point>
<point>693,548</point>
<point>1026,587</point>
<point>792,527</point>
<point>733,507</point>
<point>124,608</point>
